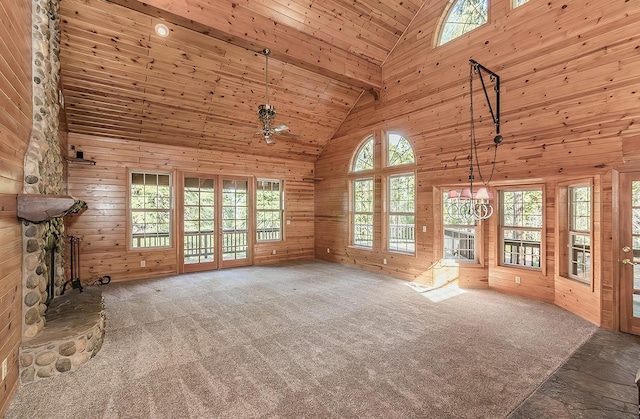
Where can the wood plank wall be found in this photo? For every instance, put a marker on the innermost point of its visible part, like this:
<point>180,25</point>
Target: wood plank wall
<point>104,187</point>
<point>570,109</point>
<point>15,126</point>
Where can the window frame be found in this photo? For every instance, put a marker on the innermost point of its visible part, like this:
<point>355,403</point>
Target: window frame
<point>280,210</point>
<point>389,213</point>
<point>477,227</point>
<point>515,5</point>
<point>130,210</point>
<point>354,159</point>
<point>444,20</point>
<point>502,227</point>
<point>387,145</point>
<point>354,213</point>
<point>566,231</point>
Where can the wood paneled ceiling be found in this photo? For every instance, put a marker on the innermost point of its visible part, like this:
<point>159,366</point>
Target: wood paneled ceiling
<point>201,86</point>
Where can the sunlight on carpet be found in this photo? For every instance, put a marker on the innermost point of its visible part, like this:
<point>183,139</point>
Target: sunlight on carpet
<point>438,294</point>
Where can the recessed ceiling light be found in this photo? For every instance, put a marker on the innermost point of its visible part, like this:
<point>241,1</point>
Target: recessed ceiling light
<point>162,30</point>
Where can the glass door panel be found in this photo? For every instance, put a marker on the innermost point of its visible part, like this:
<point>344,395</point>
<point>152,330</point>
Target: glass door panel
<point>235,222</point>
<point>198,232</point>
<point>634,255</point>
<point>630,253</point>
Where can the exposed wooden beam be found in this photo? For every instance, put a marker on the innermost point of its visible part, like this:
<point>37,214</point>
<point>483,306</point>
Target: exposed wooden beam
<point>233,23</point>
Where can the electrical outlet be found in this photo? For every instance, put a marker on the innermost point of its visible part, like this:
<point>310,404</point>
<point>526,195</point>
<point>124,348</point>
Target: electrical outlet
<point>517,279</point>
<point>328,250</point>
<point>384,261</point>
<point>143,263</point>
<point>273,252</point>
<point>424,229</point>
<point>288,222</point>
<point>4,369</point>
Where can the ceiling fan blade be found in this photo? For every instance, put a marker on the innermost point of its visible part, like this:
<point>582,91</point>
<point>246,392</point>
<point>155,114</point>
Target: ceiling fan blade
<point>280,128</point>
<point>288,134</point>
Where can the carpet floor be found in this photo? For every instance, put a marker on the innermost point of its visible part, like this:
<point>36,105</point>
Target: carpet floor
<point>308,339</point>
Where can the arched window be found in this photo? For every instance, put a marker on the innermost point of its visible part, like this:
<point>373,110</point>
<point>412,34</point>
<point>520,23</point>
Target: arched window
<point>364,158</point>
<point>462,17</point>
<point>362,195</point>
<point>399,150</point>
<point>398,180</point>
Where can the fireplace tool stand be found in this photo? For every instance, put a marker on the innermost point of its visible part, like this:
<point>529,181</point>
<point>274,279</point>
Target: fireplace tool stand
<point>74,257</point>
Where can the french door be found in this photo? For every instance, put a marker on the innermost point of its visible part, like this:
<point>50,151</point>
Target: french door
<point>630,252</point>
<point>215,226</point>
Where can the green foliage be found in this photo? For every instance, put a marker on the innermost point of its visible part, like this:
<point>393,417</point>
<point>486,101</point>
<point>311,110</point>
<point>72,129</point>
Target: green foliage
<point>399,150</point>
<point>464,16</point>
<point>364,159</point>
<point>402,193</point>
<point>580,208</point>
<point>522,208</point>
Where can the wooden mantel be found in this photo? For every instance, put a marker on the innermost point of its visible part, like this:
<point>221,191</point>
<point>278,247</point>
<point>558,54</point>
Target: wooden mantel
<point>37,208</point>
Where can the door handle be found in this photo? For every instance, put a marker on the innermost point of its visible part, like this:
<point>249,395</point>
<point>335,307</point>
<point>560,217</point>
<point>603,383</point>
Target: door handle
<point>626,249</point>
<point>629,262</point>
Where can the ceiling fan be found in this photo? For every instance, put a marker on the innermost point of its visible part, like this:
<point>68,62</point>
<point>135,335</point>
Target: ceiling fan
<point>267,113</point>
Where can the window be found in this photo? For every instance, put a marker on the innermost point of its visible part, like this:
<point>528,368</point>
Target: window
<point>521,227</point>
<point>462,17</point>
<point>401,216</point>
<point>150,198</point>
<point>399,150</point>
<point>364,158</point>
<point>363,212</point>
<point>579,240</point>
<point>269,210</point>
<point>517,3</point>
<point>459,233</point>
<point>399,189</point>
<point>362,196</point>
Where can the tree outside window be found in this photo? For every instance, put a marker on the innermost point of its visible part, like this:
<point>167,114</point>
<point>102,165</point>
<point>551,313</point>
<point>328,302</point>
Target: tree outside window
<point>580,232</point>
<point>521,227</point>
<point>363,212</point>
<point>399,150</point>
<point>459,234</point>
<point>462,17</point>
<point>269,210</point>
<point>365,156</point>
<point>150,208</point>
<point>401,215</point>
<point>400,190</point>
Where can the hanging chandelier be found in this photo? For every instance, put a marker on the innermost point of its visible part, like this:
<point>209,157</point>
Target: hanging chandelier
<point>469,203</point>
<point>266,112</point>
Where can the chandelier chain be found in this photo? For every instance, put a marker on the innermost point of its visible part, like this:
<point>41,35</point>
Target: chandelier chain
<point>474,141</point>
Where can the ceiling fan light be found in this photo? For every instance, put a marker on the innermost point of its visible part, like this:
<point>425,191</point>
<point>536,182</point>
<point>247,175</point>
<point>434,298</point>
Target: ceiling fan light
<point>267,114</point>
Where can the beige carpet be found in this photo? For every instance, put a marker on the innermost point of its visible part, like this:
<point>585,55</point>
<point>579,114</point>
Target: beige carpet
<point>308,339</point>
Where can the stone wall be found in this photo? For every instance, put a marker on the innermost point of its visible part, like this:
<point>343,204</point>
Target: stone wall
<point>74,322</point>
<point>74,334</point>
<point>43,168</point>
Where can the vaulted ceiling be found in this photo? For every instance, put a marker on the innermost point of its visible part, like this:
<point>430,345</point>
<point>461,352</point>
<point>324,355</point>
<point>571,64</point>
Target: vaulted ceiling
<point>201,85</point>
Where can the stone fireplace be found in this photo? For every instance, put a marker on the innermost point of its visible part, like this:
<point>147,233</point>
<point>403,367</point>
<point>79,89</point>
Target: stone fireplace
<point>54,339</point>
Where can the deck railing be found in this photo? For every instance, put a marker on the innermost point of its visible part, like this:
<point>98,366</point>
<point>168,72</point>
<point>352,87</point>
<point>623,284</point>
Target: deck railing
<point>202,243</point>
<point>402,237</point>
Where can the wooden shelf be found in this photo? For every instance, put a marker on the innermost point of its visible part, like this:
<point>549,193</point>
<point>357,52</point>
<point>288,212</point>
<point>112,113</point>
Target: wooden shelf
<point>75,160</point>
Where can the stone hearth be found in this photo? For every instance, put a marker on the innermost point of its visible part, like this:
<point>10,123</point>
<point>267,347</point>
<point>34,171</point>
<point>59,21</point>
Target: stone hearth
<point>74,334</point>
